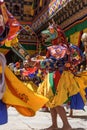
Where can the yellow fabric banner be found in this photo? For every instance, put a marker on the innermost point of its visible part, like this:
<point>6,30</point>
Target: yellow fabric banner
<point>18,95</point>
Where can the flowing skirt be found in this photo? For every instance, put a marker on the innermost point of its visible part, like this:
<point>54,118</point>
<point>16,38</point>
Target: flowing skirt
<point>68,87</point>
<point>24,98</point>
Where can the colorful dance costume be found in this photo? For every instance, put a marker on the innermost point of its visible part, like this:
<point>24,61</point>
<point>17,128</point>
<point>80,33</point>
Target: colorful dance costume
<point>62,82</point>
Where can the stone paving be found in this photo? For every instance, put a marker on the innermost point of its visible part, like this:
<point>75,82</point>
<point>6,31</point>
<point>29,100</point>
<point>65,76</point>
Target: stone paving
<point>42,120</point>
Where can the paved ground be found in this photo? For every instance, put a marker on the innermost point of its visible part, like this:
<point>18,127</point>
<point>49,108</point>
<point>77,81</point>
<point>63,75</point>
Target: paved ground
<point>42,120</point>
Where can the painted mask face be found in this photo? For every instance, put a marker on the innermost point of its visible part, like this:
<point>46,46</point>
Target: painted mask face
<point>51,29</point>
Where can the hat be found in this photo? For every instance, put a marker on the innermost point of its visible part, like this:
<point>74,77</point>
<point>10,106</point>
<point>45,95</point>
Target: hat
<point>14,26</point>
<point>9,26</point>
<point>84,37</point>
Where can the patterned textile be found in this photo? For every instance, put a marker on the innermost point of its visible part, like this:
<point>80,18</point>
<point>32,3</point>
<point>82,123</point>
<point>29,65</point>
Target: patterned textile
<point>76,55</point>
<point>54,61</point>
<point>53,64</point>
<point>57,51</point>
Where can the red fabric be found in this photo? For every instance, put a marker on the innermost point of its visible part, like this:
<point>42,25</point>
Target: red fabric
<point>29,71</point>
<point>56,78</point>
<point>79,41</point>
<point>12,23</point>
<point>61,37</point>
<point>55,41</point>
<point>14,28</point>
<point>1,29</point>
<point>47,54</point>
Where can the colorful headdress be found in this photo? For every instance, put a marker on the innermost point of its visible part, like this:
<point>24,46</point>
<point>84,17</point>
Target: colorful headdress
<point>54,34</point>
<point>61,38</point>
<point>9,26</point>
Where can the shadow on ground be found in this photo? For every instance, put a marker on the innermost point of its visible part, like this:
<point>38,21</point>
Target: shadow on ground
<point>72,129</point>
<point>81,117</point>
<point>79,129</point>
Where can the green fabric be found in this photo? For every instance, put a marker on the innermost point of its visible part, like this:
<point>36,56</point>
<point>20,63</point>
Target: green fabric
<point>52,82</point>
<point>29,47</point>
<point>26,46</point>
<point>76,28</point>
<point>42,64</point>
<point>68,100</point>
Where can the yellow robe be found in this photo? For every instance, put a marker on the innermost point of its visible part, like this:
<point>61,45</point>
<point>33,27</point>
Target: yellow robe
<point>23,98</point>
<point>81,79</point>
<point>68,85</point>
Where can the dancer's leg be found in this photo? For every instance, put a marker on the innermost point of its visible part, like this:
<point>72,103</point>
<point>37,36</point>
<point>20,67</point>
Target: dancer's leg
<point>54,119</point>
<point>61,111</point>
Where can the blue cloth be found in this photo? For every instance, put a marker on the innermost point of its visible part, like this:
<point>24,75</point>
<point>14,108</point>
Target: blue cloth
<point>52,63</point>
<point>86,91</point>
<point>76,102</point>
<point>3,113</point>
